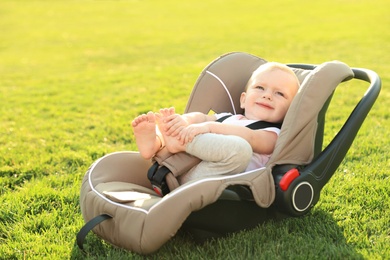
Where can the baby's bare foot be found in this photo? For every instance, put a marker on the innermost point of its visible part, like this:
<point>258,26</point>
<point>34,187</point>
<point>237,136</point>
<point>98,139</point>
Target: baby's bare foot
<point>145,134</point>
<point>164,114</point>
<point>173,144</point>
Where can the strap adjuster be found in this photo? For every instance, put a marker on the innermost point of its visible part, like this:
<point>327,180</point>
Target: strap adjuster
<point>156,176</point>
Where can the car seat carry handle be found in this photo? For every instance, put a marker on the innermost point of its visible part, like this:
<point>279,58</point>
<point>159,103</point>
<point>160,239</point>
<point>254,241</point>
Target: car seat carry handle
<point>307,181</point>
<point>88,227</point>
<point>331,157</point>
<point>326,163</point>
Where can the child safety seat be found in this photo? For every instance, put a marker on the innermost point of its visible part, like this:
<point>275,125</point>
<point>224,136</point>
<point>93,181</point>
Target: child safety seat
<point>119,204</point>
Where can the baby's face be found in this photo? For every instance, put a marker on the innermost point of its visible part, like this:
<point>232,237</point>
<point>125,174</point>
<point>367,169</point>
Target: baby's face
<point>269,96</point>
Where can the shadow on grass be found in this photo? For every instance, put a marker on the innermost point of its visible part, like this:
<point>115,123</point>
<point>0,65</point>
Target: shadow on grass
<point>315,235</point>
<point>270,234</point>
<point>96,248</point>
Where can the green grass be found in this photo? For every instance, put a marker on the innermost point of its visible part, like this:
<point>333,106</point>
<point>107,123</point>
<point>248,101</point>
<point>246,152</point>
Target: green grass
<point>74,73</point>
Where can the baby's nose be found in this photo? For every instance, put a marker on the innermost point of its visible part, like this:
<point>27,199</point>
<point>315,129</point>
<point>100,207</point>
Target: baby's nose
<point>267,95</point>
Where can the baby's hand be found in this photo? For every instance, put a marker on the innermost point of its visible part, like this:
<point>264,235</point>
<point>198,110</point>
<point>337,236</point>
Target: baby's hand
<point>188,133</point>
<point>173,123</point>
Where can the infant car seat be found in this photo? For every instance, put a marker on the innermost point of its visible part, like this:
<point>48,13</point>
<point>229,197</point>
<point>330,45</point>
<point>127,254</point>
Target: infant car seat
<point>117,200</point>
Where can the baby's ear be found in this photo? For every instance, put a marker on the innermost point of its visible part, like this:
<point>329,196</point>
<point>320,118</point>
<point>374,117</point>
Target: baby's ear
<point>242,100</point>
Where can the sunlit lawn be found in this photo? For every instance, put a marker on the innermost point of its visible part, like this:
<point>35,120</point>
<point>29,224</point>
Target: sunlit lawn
<point>74,73</point>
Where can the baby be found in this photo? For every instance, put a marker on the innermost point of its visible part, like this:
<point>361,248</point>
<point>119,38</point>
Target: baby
<point>228,147</point>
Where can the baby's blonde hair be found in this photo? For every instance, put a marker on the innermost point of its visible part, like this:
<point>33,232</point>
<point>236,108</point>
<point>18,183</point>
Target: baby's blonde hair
<point>269,66</point>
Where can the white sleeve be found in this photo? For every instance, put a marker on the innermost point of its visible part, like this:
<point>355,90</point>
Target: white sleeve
<point>272,129</point>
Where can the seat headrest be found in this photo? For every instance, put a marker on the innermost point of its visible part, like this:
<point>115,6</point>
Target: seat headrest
<point>295,144</point>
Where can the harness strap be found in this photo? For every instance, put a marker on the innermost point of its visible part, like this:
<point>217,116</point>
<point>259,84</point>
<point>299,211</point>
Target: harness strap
<point>221,119</point>
<point>157,176</point>
<point>255,125</point>
<point>88,227</point>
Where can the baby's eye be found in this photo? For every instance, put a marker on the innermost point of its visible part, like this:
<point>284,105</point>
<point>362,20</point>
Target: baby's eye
<point>260,87</point>
<point>279,93</point>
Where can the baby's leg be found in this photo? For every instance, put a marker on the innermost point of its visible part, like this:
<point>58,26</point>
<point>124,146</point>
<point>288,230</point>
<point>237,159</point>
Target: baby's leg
<point>220,154</point>
<point>145,135</point>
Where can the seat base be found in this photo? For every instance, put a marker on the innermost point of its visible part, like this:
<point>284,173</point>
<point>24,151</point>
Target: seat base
<point>212,221</point>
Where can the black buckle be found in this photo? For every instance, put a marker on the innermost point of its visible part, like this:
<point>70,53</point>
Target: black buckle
<point>156,176</point>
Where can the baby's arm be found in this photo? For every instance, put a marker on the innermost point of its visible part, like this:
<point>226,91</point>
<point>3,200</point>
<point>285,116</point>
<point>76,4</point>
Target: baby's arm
<point>261,141</point>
